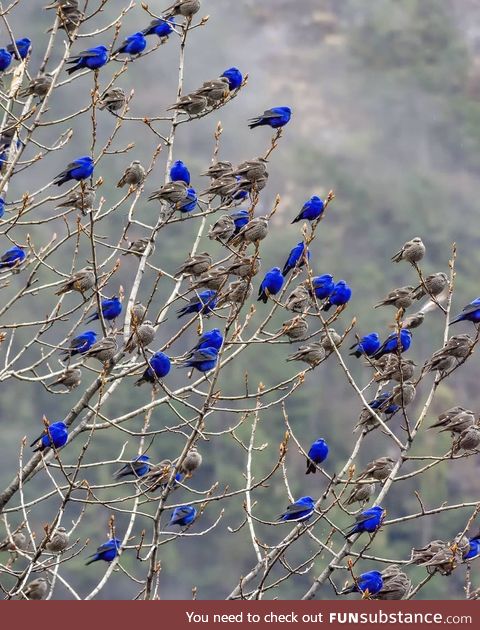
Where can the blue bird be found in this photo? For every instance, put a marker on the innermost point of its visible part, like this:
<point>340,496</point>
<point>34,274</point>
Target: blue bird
<point>473,550</point>
<point>161,27</point>
<point>470,313</point>
<point>79,169</point>
<point>296,258</point>
<point>183,515</point>
<point>340,295</point>
<point>370,581</point>
<point>137,468</point>
<point>240,218</point>
<point>203,360</point>
<point>210,339</point>
<point>56,435</point>
<point>240,195</point>
<point>300,510</point>
<point>191,201</point>
<point>368,521</point>
<point>368,345</point>
<point>323,286</point>
<point>271,284</point>
<point>13,257</point>
<point>203,303</point>
<point>2,207</point>
<point>24,46</point>
<point>390,345</point>
<point>159,367</point>
<point>3,159</point>
<point>106,552</point>
<point>132,45</point>
<point>179,172</point>
<point>92,59</point>
<point>81,343</point>
<point>311,210</point>
<point>111,309</point>
<point>5,59</point>
<point>317,454</point>
<point>380,401</point>
<point>276,117</point>
<point>234,77</point>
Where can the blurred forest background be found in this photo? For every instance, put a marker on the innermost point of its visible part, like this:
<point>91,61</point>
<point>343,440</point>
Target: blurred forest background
<point>386,101</point>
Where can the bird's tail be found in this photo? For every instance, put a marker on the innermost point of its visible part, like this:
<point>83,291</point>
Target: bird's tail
<point>262,297</point>
<point>255,122</point>
<point>73,69</point>
<point>459,318</point>
<point>357,353</point>
<point>351,532</point>
<point>297,218</point>
<point>349,589</point>
<point>311,468</point>
<point>92,559</point>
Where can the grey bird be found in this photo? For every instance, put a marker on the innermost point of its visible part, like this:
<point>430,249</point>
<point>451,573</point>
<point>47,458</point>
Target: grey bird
<point>195,265</point>
<point>325,341</point>
<point>138,312</point>
<point>172,192</point>
<point>62,4</point>
<point>217,169</point>
<point>459,346</point>
<point>187,8</point>
<point>103,350</point>
<point>396,584</point>
<point>440,361</point>
<point>295,329</point>
<point>366,421</point>
<point>412,321</point>
<point>215,90</point>
<point>138,247</point>
<point>142,336</point>
<point>245,185</point>
<point>361,493</point>
<point>468,440</point>
<point>401,297</point>
<point>133,176</point>
<point>460,543</point>
<point>253,232</point>
<point>245,267</point>
<point>70,19</point>
<point>237,292</point>
<point>455,419</point>
<point>18,541</point>
<point>213,279</point>
<point>252,170</point>
<point>378,469</point>
<point>403,394</point>
<point>80,199</point>
<point>389,367</point>
<point>413,251</point>
<point>71,378</point>
<point>298,300</point>
<point>435,284</point>
<point>221,186</point>
<point>39,86</point>
<point>424,554</point>
<point>158,475</point>
<point>59,540</point>
<point>81,281</point>
<point>444,561</point>
<point>113,99</point>
<point>36,589</point>
<point>192,461</point>
<point>223,229</point>
<point>191,104</point>
<point>312,354</point>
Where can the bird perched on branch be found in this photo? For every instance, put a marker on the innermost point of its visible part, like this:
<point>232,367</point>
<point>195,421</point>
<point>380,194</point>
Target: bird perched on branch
<point>399,298</point>
<point>138,467</point>
<point>368,521</point>
<point>321,286</point>
<point>187,8</point>
<point>39,86</point>
<point>141,337</point>
<point>203,360</point>
<point>159,366</point>
<point>80,169</point>
<point>5,59</point>
<point>396,341</point>
<point>55,435</point>
<point>191,462</point>
<point>59,540</point>
<point>317,454</point>
<point>275,118</point>
<point>300,510</point>
<point>361,493</point>
<point>12,258</point>
<point>111,309</point>
<point>37,589</point>
<point>369,583</point>
<point>173,193</point>
<point>298,256</point>
<point>81,199</point>
<point>191,104</point>
<point>81,281</point>
<point>162,27</point>
<point>209,339</point>
<point>433,285</point>
<point>378,469</point>
<point>298,300</point>
<point>133,45</point>
<point>311,210</point>
<point>103,350</point>
<point>312,354</point>
<point>396,584</point>
<point>234,77</point>
<point>21,49</point>
<point>367,346</point>
<point>133,176</point>
<point>179,172</point>
<point>470,313</point>
<point>340,296</point>
<point>253,232</point>
<point>223,229</point>
<point>80,344</point>
<point>195,265</point>
<point>204,303</point>
<point>91,59</point>
<point>296,328</point>
<point>412,251</point>
<point>138,247</point>
<point>271,284</point>
<point>106,552</point>
<point>456,419</point>
<point>71,378</point>
<point>183,516</point>
<point>113,99</point>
